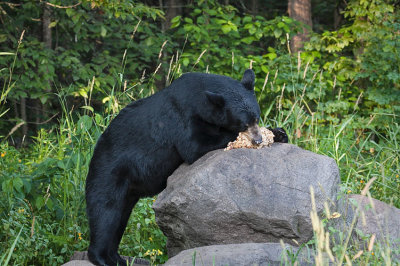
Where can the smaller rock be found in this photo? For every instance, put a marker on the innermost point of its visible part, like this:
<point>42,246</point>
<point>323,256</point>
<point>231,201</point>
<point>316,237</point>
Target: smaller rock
<point>258,254</point>
<point>80,258</point>
<point>78,263</point>
<point>381,219</point>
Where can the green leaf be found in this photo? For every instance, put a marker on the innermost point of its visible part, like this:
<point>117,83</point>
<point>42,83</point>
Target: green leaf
<point>53,24</point>
<point>99,119</point>
<point>176,19</point>
<point>50,204</point>
<point>226,28</point>
<point>247,19</point>
<point>75,18</point>
<point>70,12</point>
<point>175,22</point>
<point>17,184</point>
<point>43,98</point>
<point>277,32</point>
<point>212,12</point>
<point>188,20</point>
<point>185,61</point>
<point>272,56</point>
<point>264,69</point>
<point>90,108</point>
<point>39,202</point>
<point>103,31</point>
<point>61,165</point>
<point>248,40</point>
<point>7,186</point>
<point>3,37</point>
<point>252,30</point>
<point>85,122</point>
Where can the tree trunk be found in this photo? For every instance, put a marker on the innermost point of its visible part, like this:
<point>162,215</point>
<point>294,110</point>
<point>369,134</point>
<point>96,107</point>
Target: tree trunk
<point>15,107</point>
<point>24,117</point>
<point>46,30</point>
<point>172,9</point>
<point>254,7</point>
<point>300,10</point>
<point>337,16</point>
<point>47,40</point>
<point>38,114</point>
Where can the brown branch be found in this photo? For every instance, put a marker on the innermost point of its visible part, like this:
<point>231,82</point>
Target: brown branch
<point>57,6</point>
<point>15,128</point>
<point>9,4</point>
<point>33,226</point>
<point>44,122</point>
<point>23,123</point>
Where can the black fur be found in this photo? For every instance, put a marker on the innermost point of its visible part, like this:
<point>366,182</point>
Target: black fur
<point>150,138</point>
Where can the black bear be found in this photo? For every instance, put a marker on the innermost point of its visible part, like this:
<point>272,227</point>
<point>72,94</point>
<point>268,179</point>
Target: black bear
<point>151,137</point>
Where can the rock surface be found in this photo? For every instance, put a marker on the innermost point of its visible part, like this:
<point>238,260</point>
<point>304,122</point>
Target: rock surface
<point>381,219</point>
<point>245,196</point>
<point>258,254</point>
<point>80,258</point>
<point>78,263</point>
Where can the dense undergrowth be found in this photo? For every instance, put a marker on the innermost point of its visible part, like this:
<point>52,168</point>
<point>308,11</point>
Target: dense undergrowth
<point>331,99</point>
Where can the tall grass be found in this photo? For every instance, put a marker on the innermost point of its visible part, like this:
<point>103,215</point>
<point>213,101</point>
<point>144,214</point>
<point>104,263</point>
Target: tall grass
<point>368,163</point>
<point>361,153</point>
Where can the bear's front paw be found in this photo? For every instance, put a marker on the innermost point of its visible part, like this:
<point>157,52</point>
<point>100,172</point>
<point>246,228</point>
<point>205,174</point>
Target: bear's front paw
<point>280,135</point>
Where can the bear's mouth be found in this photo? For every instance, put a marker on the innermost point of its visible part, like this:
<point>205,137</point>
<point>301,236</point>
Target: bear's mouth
<point>254,133</point>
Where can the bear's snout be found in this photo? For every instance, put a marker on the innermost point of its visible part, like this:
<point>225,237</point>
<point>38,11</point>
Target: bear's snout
<point>254,132</point>
<point>257,141</point>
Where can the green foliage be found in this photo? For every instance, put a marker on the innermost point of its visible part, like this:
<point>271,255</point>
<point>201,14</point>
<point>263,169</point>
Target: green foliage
<point>364,58</point>
<point>143,237</point>
<point>241,38</point>
<point>88,42</point>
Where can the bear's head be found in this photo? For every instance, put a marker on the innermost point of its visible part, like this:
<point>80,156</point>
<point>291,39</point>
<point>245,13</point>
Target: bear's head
<point>233,103</point>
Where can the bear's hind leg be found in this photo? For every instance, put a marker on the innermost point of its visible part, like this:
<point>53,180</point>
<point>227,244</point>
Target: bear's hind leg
<point>107,221</point>
<point>127,210</point>
<point>102,231</point>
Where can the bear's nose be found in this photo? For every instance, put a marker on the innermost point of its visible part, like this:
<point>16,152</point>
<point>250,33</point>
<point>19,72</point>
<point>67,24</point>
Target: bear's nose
<point>257,141</point>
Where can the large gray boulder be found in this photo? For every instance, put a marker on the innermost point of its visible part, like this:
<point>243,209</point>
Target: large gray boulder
<point>245,195</point>
<point>254,254</point>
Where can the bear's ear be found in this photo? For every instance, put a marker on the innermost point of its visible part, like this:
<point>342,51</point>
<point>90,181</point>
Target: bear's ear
<point>215,98</point>
<point>248,79</point>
